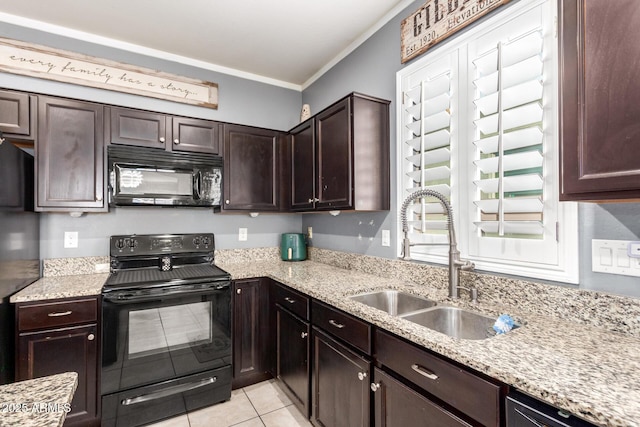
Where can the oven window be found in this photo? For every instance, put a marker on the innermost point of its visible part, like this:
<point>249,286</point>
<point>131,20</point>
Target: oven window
<point>141,181</point>
<point>158,330</point>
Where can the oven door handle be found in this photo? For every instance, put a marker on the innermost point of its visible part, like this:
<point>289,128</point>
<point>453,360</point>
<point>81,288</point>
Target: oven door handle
<point>169,391</point>
<point>120,298</point>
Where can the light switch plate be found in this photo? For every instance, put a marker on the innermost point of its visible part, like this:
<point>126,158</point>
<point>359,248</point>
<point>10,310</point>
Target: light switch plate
<point>614,257</point>
<point>386,238</point>
<point>242,234</point>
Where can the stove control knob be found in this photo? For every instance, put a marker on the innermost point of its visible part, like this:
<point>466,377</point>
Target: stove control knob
<point>133,243</point>
<point>206,241</point>
<point>196,241</point>
<point>120,243</point>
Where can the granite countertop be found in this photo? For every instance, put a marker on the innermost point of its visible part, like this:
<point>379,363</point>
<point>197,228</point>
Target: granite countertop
<point>41,402</point>
<point>583,369</point>
<point>62,287</point>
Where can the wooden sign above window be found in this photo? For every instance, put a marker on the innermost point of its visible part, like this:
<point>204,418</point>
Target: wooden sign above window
<point>438,19</point>
<point>47,63</point>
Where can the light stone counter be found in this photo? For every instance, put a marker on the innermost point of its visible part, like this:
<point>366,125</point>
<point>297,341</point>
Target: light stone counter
<point>62,287</point>
<point>587,370</point>
<point>578,350</point>
<point>41,402</point>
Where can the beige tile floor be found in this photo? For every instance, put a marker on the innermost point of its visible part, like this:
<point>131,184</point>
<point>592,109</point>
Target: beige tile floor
<point>260,405</point>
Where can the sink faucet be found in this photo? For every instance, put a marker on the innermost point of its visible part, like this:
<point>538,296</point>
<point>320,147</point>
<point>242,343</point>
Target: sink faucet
<point>455,263</point>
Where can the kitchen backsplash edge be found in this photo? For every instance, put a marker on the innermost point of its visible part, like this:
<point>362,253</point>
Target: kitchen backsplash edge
<point>600,309</point>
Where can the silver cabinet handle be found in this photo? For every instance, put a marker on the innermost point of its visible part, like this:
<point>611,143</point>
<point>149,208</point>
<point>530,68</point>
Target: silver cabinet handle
<point>91,337</point>
<point>176,141</point>
<point>424,372</point>
<point>304,335</point>
<point>310,200</point>
<point>375,387</point>
<point>336,324</point>
<point>226,201</point>
<point>60,313</point>
<point>289,300</point>
<point>98,197</point>
<point>362,376</point>
<point>161,140</point>
<point>238,291</point>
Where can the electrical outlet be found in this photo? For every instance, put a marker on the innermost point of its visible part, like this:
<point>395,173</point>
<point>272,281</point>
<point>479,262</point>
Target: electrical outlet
<point>310,232</point>
<point>386,238</point>
<point>70,239</point>
<point>242,234</point>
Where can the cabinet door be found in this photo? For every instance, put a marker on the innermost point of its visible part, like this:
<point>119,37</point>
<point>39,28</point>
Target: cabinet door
<point>17,114</point>
<point>69,156</point>
<point>303,166</point>
<point>250,168</point>
<point>64,350</point>
<point>334,187</point>
<point>250,332</point>
<point>599,96</point>
<point>193,135</point>
<point>140,128</point>
<point>396,405</point>
<point>293,357</point>
<point>340,391</point>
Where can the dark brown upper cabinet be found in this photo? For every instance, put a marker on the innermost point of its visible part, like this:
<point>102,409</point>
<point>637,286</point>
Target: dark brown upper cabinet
<point>340,157</point>
<point>69,156</point>
<point>251,168</point>
<point>303,165</point>
<point>156,130</point>
<point>17,115</point>
<point>599,93</point>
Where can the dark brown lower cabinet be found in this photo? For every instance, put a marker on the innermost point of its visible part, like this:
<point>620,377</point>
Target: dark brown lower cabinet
<point>293,351</point>
<point>250,332</point>
<point>49,348</point>
<point>340,385</point>
<point>397,405</point>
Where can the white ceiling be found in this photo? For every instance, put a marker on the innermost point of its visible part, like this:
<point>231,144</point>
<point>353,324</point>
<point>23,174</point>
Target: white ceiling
<point>284,42</point>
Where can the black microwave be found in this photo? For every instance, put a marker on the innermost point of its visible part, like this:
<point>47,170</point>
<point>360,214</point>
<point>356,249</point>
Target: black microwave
<point>152,177</point>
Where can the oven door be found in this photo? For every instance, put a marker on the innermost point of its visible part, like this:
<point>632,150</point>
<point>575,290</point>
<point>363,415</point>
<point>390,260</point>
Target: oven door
<point>151,336</point>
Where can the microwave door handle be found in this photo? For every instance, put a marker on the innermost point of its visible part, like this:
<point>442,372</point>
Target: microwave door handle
<point>198,184</point>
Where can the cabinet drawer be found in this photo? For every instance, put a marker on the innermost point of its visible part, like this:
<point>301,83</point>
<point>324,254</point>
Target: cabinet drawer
<point>56,314</point>
<point>342,325</point>
<point>293,301</point>
<point>472,395</point>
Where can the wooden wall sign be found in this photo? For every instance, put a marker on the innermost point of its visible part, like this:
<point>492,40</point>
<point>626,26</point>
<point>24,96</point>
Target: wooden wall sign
<point>438,19</point>
<point>43,62</point>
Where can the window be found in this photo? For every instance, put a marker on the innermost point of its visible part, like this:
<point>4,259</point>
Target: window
<point>478,122</point>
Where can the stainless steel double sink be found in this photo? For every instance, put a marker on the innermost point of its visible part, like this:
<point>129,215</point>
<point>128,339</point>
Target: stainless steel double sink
<point>452,321</point>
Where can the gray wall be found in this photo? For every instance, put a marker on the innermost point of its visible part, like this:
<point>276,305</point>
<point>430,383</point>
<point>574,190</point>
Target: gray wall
<point>371,69</point>
<point>240,101</point>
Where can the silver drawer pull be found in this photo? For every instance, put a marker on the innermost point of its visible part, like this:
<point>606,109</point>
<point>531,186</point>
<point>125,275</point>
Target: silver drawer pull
<point>60,313</point>
<point>375,387</point>
<point>169,391</point>
<point>424,372</point>
<point>336,324</point>
<point>289,300</point>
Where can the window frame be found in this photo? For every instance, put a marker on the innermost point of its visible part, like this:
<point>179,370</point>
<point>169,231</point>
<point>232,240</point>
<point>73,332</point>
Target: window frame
<point>566,266</point>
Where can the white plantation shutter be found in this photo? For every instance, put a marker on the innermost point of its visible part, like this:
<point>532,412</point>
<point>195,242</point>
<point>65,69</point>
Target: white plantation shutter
<point>426,114</point>
<point>477,121</point>
<point>508,100</point>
